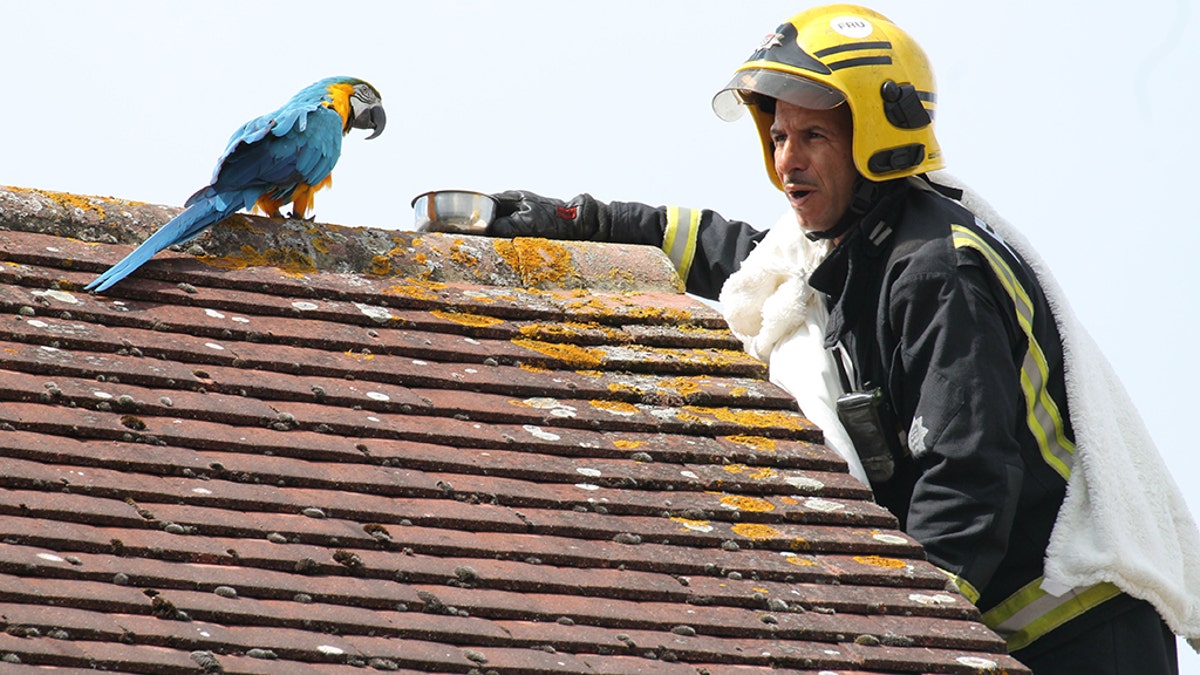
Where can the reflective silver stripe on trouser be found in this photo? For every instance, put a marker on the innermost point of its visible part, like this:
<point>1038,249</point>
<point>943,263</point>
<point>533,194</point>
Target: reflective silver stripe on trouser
<point>679,240</point>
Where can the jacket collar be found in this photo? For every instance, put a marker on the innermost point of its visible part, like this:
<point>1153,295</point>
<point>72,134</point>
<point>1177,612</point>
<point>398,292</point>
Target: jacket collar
<point>847,273</point>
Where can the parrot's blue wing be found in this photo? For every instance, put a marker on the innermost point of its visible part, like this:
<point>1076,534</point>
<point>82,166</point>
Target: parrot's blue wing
<point>307,154</point>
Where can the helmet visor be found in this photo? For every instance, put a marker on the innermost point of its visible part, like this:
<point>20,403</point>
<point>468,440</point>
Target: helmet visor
<point>731,101</point>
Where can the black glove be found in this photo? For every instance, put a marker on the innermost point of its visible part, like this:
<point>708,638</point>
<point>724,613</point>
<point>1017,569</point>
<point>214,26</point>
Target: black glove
<point>524,214</point>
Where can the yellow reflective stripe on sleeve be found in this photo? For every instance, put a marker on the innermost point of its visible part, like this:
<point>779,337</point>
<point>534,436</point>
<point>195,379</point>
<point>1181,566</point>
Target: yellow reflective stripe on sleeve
<point>1031,612</point>
<point>679,241</point>
<point>964,586</point>
<point>1041,412</point>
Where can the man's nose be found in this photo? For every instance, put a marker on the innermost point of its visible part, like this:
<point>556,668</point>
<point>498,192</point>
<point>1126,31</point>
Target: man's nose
<point>790,157</point>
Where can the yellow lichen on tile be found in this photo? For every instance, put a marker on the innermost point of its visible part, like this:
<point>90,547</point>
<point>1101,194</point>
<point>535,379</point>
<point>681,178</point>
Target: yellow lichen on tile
<point>432,285</point>
<point>360,356</point>
<point>615,407</point>
<point>753,473</point>
<point>544,330</point>
<point>744,503</point>
<point>467,319</point>
<point>67,200</point>
<point>628,445</point>
<point>801,562</point>
<point>693,525</point>
<point>620,387</point>
<point>381,266</point>
<point>667,314</point>
<point>463,257</point>
<point>757,443</point>
<point>610,333</point>
<point>879,561</point>
<point>411,291</point>
<point>755,531</point>
<point>536,261</point>
<point>717,359</point>
<point>570,355</point>
<point>691,418</point>
<point>290,261</point>
<point>417,289</point>
<point>753,418</point>
<point>592,303</point>
<point>243,223</point>
<point>320,244</point>
<point>684,386</point>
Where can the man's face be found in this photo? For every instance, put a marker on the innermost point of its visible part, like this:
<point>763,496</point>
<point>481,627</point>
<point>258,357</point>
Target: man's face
<point>814,162</point>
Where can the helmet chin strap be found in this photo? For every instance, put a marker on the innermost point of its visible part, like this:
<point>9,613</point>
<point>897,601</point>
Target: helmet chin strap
<point>864,194</point>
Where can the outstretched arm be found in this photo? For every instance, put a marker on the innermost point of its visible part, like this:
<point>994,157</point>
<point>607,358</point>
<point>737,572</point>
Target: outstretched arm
<point>704,246</point>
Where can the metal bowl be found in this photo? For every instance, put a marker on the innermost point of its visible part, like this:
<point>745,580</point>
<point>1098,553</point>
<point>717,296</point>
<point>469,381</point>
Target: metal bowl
<point>459,211</point>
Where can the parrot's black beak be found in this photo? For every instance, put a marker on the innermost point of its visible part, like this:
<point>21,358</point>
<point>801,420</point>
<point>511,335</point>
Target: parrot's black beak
<point>371,118</point>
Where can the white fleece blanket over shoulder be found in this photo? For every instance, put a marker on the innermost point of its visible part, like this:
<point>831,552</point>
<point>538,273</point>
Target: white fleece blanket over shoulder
<point>1124,519</point>
<point>781,321</point>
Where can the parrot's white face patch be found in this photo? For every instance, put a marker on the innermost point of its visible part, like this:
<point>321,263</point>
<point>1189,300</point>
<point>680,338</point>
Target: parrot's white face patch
<point>852,26</point>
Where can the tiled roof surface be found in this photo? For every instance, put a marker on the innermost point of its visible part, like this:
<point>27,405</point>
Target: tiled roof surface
<point>440,454</point>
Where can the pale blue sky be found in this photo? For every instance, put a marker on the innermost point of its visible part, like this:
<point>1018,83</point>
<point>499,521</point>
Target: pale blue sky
<point>1075,119</point>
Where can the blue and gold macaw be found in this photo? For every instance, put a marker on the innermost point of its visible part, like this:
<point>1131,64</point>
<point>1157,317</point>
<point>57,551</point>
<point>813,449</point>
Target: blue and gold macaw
<point>285,156</point>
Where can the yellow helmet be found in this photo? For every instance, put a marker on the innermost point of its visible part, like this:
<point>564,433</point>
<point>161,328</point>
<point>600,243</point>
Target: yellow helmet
<point>826,56</point>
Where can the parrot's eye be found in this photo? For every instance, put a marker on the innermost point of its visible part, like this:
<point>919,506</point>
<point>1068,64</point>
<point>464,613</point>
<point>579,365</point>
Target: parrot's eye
<point>365,93</point>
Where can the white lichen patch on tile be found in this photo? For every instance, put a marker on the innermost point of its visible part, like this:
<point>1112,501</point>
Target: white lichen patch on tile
<point>822,505</point>
<point>60,296</point>
<point>537,432</point>
<point>804,483</point>
<point>552,405</point>
<point>376,313</point>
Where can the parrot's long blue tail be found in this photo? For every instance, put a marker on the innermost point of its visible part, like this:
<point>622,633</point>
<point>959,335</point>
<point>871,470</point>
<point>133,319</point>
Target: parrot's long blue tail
<point>191,222</point>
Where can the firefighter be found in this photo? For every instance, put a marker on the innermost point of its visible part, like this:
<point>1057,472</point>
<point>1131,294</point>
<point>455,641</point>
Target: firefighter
<point>923,341</point>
